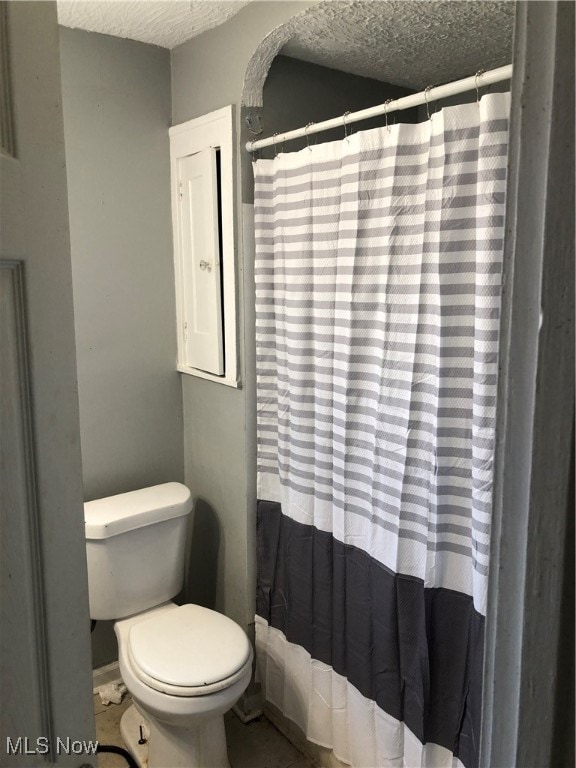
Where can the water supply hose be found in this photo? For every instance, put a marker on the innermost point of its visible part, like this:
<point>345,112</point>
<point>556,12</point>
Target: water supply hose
<point>118,751</point>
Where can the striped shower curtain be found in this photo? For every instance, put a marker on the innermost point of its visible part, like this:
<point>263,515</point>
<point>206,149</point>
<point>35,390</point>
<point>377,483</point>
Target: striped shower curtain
<point>378,274</point>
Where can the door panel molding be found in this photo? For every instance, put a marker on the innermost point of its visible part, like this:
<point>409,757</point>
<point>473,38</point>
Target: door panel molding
<point>22,596</point>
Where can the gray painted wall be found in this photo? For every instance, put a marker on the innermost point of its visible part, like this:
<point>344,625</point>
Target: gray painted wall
<point>116,96</point>
<point>219,422</point>
<point>208,71</point>
<point>117,104</point>
<point>207,74</point>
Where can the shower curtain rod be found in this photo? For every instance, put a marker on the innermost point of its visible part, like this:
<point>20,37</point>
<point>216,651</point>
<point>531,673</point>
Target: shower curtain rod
<point>414,100</point>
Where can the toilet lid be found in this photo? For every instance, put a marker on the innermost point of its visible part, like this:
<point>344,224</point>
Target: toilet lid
<point>189,647</point>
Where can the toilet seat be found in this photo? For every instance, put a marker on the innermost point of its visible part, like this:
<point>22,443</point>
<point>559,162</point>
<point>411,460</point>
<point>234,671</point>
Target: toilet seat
<point>188,651</point>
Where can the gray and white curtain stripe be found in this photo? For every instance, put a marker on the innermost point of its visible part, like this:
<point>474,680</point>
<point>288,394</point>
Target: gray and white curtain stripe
<point>378,269</point>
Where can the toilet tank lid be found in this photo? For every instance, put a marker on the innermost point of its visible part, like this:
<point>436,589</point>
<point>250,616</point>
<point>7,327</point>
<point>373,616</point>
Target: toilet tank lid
<point>127,511</point>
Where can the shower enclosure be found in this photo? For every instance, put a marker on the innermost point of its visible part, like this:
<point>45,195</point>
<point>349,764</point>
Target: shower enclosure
<point>378,283</point>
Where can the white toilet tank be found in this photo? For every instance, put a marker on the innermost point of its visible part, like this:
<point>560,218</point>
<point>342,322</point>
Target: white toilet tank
<point>135,546</point>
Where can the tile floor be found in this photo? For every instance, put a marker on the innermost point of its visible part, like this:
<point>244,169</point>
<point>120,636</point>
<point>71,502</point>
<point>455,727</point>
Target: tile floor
<point>255,745</point>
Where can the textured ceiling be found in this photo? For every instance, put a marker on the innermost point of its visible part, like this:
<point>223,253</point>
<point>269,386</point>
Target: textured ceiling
<point>160,22</point>
<point>405,42</point>
<point>413,43</point>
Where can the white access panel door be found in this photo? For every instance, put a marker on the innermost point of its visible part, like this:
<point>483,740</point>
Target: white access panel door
<point>200,251</point>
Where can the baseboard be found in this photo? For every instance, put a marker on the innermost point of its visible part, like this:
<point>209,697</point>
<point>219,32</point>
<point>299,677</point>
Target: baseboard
<point>110,673</point>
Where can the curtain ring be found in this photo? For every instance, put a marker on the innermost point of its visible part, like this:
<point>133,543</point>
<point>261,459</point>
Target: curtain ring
<point>307,137</point>
<point>388,101</point>
<point>274,143</point>
<point>428,88</point>
<point>344,116</point>
<point>476,76</point>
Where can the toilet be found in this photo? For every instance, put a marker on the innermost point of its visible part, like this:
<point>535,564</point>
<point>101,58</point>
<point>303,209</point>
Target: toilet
<point>184,665</point>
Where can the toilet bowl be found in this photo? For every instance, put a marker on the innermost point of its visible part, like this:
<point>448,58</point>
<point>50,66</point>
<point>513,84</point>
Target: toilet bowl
<point>182,698</point>
<point>184,665</point>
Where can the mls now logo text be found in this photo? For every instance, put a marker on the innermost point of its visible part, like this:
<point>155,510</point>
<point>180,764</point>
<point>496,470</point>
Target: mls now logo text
<point>22,745</point>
